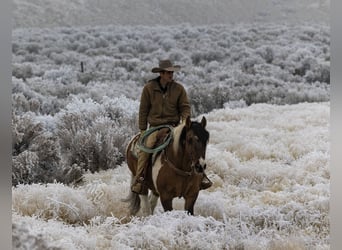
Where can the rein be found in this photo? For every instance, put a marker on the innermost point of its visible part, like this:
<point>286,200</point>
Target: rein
<point>177,170</point>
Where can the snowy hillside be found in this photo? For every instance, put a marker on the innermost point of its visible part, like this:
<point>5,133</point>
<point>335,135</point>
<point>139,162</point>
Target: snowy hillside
<point>52,13</point>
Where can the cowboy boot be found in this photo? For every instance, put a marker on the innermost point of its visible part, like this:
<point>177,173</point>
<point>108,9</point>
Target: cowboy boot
<point>206,183</point>
<point>139,186</point>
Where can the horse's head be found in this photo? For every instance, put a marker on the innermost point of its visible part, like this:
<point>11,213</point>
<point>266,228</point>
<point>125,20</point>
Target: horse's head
<point>196,141</point>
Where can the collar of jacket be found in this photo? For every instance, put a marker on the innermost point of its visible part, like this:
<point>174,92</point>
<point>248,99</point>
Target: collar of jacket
<point>157,84</point>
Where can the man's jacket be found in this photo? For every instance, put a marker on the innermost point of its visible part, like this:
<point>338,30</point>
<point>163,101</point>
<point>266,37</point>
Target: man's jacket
<point>159,108</point>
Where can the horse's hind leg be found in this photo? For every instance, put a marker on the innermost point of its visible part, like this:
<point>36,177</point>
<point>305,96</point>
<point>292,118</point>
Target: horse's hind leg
<point>145,205</point>
<point>153,199</point>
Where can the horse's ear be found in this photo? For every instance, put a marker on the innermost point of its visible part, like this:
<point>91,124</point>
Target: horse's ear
<point>188,122</point>
<point>204,122</point>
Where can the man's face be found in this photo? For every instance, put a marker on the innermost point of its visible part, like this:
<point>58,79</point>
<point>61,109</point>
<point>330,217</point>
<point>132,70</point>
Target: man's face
<point>166,76</point>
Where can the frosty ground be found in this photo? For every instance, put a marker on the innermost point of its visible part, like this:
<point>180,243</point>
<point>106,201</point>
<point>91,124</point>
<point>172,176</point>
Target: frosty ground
<point>269,165</point>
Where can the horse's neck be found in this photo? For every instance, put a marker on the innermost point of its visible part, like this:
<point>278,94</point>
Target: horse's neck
<point>177,152</point>
<point>178,158</point>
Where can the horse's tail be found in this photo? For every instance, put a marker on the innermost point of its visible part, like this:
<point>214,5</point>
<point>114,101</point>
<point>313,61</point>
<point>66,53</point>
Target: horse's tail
<point>134,201</point>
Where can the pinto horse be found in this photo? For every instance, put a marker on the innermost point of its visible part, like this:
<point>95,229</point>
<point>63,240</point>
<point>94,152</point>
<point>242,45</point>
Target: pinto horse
<point>177,170</point>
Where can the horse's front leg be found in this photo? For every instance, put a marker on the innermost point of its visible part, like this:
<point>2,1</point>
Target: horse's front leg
<point>189,203</point>
<point>166,203</point>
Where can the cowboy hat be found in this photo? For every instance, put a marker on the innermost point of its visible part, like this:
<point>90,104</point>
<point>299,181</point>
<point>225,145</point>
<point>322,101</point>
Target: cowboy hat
<point>165,65</point>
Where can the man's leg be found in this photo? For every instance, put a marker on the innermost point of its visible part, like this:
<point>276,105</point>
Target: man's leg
<point>143,158</point>
<point>139,178</point>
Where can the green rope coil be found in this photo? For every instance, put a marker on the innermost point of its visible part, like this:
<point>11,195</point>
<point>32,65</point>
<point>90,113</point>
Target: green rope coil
<point>142,140</point>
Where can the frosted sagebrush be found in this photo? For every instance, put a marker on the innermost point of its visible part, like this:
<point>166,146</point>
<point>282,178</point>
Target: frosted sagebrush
<point>36,155</point>
<point>275,61</point>
<point>91,137</point>
<point>271,189</point>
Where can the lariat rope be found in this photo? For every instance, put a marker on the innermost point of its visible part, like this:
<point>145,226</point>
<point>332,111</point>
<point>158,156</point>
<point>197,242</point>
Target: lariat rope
<point>142,139</point>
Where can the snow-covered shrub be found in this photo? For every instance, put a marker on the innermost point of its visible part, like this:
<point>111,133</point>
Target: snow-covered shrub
<point>204,99</point>
<point>22,238</point>
<point>92,138</point>
<point>50,50</point>
<point>123,111</point>
<point>267,53</point>
<point>20,103</point>
<point>51,105</point>
<point>57,58</point>
<point>82,47</point>
<point>248,64</point>
<point>33,47</point>
<point>43,96</point>
<point>235,104</point>
<point>86,77</point>
<point>47,149</point>
<point>205,56</point>
<point>94,148</point>
<point>320,73</point>
<point>24,130</point>
<point>22,71</point>
<point>38,164</point>
<point>65,74</point>
<point>35,151</point>
<point>15,47</point>
<point>22,87</point>
<point>23,166</point>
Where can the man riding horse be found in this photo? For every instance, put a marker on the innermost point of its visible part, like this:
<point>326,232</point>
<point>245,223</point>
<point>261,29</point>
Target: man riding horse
<point>163,102</point>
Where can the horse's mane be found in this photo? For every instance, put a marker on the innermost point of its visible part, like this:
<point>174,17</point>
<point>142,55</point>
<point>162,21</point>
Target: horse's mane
<point>178,135</point>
